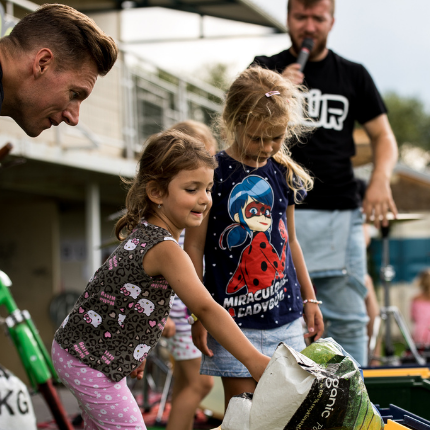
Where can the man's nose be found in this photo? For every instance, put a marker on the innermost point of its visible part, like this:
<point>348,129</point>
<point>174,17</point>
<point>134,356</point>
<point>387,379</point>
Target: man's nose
<point>71,114</point>
<point>310,25</point>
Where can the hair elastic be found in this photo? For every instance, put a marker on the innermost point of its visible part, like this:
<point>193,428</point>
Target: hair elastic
<point>272,93</point>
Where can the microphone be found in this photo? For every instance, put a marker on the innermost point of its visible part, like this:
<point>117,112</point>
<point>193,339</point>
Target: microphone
<point>305,50</point>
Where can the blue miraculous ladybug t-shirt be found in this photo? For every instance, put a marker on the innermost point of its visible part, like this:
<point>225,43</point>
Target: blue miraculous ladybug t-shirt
<point>249,268</point>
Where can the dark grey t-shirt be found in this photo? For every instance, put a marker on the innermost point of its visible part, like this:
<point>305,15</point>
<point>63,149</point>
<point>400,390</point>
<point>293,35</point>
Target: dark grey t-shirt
<point>121,314</point>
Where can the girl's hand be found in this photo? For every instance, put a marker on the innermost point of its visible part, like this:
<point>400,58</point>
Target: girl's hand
<point>138,372</point>
<point>258,366</point>
<point>169,328</point>
<point>314,320</point>
<point>200,338</point>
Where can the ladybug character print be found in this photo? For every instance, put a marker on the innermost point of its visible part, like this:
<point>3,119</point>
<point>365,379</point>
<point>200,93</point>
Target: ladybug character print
<point>250,206</point>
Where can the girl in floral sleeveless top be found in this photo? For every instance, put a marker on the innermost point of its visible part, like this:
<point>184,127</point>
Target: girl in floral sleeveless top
<point>121,314</point>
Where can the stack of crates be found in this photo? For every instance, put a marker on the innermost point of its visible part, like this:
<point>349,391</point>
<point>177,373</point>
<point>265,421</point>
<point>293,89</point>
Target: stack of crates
<point>396,418</point>
<point>407,388</point>
<point>402,396</point>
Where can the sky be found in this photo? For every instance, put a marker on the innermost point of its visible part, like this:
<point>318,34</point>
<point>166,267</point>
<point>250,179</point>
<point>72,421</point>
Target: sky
<point>391,38</point>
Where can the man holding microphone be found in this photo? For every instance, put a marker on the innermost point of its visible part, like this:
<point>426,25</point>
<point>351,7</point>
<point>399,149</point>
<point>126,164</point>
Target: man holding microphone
<point>329,223</point>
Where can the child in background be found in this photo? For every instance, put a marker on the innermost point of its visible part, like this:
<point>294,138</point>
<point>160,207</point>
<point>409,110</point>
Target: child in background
<point>420,311</point>
<point>189,387</point>
<point>253,261</point>
<point>121,314</point>
<point>199,131</point>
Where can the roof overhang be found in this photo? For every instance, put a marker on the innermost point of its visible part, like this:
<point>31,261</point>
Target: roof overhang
<point>236,10</point>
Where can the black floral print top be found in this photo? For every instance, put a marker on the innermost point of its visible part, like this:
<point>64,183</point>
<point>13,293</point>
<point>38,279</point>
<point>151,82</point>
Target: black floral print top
<point>121,314</point>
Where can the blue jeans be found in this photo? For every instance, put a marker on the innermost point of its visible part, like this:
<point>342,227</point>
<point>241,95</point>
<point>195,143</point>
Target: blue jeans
<point>266,341</point>
<point>335,254</point>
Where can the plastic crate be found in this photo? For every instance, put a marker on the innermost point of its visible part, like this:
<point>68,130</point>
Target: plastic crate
<point>424,372</point>
<point>392,425</point>
<point>397,418</point>
<point>411,393</point>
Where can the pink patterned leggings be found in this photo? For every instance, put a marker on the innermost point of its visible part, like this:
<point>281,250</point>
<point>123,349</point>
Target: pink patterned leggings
<point>105,405</point>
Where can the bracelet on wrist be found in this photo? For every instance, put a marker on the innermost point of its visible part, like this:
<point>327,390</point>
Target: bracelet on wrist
<point>192,319</point>
<point>317,302</point>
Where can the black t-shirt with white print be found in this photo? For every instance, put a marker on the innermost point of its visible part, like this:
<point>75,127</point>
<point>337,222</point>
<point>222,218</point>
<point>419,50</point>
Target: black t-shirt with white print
<point>340,93</point>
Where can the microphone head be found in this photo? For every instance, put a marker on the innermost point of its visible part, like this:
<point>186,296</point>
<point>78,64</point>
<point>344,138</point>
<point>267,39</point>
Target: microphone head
<point>308,43</point>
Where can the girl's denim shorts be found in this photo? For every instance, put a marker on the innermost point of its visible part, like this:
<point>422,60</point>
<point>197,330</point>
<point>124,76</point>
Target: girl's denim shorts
<point>266,341</point>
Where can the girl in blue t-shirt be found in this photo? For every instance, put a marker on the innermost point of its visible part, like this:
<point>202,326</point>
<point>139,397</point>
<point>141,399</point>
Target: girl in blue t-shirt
<point>254,266</point>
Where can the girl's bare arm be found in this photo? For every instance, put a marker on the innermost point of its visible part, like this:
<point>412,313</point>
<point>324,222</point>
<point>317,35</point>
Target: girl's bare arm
<point>169,260</point>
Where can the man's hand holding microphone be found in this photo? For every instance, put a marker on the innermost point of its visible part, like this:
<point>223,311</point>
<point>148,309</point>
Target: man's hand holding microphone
<point>294,72</point>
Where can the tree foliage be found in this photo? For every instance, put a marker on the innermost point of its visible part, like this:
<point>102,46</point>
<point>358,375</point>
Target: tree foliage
<point>409,120</point>
<point>217,74</point>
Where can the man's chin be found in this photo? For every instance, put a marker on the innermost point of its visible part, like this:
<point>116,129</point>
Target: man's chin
<point>33,134</point>
<point>31,131</point>
<point>317,50</point>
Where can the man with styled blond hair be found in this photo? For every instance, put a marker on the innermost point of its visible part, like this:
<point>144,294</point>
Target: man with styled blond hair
<point>49,65</point>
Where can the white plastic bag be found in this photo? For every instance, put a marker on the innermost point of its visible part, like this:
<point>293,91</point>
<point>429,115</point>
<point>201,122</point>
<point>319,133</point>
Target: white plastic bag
<point>16,409</point>
<point>320,388</point>
<point>237,415</point>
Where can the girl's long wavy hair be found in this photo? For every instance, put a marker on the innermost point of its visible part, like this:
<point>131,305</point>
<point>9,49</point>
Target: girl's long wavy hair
<point>246,102</point>
<point>163,157</point>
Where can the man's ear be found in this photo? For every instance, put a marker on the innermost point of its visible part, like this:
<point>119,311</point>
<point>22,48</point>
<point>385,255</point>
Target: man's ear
<point>43,60</point>
<point>332,23</point>
<point>154,193</point>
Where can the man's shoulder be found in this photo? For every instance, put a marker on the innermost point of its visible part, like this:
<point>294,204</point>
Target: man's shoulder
<point>352,65</point>
<point>276,62</point>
